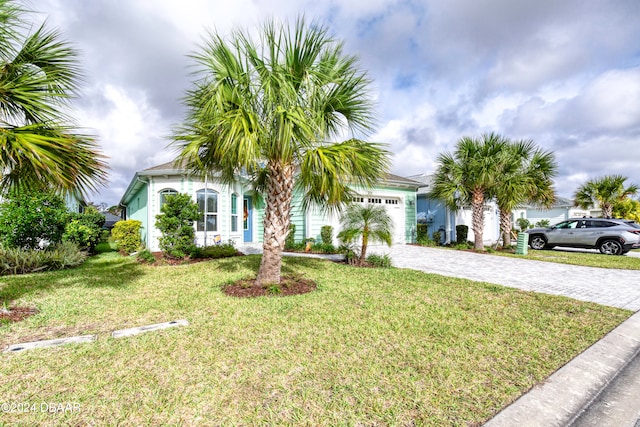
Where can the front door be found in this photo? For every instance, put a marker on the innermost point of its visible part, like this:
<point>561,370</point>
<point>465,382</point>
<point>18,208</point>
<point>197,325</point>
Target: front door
<point>247,215</point>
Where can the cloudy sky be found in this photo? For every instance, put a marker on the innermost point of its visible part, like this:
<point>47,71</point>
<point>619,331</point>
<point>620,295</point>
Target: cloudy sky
<point>563,73</point>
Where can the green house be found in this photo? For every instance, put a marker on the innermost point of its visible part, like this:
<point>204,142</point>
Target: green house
<point>233,212</point>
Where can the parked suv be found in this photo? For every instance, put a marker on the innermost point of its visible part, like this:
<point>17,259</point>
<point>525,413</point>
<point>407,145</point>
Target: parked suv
<point>610,236</point>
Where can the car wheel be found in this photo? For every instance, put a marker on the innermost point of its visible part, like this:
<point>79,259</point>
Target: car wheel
<point>537,242</point>
<point>610,247</point>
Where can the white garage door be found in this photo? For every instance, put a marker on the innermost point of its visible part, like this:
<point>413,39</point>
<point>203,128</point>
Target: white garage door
<point>395,208</point>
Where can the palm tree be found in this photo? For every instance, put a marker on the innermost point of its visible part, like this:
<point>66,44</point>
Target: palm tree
<point>38,77</point>
<point>369,222</point>
<point>267,109</point>
<point>468,176</point>
<point>604,191</point>
<point>526,175</point>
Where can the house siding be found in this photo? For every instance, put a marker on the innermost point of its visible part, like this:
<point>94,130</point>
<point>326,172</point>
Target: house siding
<point>143,196</point>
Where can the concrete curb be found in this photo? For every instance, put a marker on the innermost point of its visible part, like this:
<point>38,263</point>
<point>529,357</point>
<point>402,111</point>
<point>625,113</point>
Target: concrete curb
<point>49,343</point>
<point>15,348</point>
<point>570,390</point>
<point>142,329</point>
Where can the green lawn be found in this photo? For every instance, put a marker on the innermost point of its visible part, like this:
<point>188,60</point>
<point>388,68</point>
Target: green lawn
<point>590,259</point>
<point>369,347</point>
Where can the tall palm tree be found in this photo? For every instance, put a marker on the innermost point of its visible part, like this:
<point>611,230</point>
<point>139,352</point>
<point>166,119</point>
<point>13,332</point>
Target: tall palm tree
<point>604,191</point>
<point>40,147</point>
<point>268,109</point>
<point>526,175</point>
<point>468,176</point>
<point>369,222</point>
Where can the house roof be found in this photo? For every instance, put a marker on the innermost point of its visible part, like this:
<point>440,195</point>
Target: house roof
<point>174,167</point>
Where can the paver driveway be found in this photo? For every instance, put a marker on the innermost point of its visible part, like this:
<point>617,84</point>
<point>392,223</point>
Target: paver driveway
<point>616,288</point>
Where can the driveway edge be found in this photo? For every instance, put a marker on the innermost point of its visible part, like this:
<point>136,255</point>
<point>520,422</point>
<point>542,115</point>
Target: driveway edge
<point>562,397</point>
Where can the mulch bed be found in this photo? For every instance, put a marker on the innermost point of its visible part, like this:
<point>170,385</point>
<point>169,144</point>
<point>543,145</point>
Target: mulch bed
<point>15,314</point>
<point>161,259</point>
<point>289,285</point>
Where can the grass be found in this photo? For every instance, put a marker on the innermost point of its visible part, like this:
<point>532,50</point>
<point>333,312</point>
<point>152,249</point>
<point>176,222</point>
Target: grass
<point>369,347</point>
<point>590,259</point>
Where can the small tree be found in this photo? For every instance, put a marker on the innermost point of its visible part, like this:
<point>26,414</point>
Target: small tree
<point>175,223</point>
<point>326,232</point>
<point>28,219</point>
<point>370,222</point>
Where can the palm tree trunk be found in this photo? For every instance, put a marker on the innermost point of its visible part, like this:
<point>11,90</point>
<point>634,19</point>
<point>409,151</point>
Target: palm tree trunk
<point>365,242</point>
<point>477,219</point>
<point>607,210</point>
<point>276,221</point>
<point>505,227</point>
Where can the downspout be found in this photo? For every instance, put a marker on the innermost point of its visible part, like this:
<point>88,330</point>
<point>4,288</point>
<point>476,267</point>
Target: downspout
<point>205,210</point>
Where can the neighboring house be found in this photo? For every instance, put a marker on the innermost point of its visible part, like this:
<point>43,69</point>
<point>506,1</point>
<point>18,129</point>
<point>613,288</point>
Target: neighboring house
<point>438,217</point>
<point>233,212</point>
<point>110,220</point>
<point>74,202</point>
<point>562,209</point>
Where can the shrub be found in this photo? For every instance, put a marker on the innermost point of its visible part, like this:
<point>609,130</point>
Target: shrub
<point>422,232</point>
<point>127,235</point>
<point>350,255</point>
<point>213,252</point>
<point>523,223</point>
<point>381,261</point>
<point>29,219</point>
<point>290,241</point>
<point>324,248</point>
<point>462,231</point>
<point>175,223</point>
<point>146,256</point>
<point>326,233</point>
<point>83,235</point>
<point>55,257</point>
<point>437,237</point>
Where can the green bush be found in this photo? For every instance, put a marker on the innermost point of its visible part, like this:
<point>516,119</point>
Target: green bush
<point>379,261</point>
<point>127,235</point>
<point>422,233</point>
<point>462,231</point>
<point>83,235</point>
<point>326,233</point>
<point>175,223</point>
<point>290,241</point>
<point>426,242</point>
<point>324,248</point>
<point>350,255</point>
<point>523,223</point>
<point>219,251</point>
<point>55,257</point>
<point>146,256</point>
<point>29,219</point>
<point>437,237</point>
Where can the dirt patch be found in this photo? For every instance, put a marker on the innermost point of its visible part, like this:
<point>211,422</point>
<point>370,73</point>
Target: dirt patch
<point>289,285</point>
<point>15,314</point>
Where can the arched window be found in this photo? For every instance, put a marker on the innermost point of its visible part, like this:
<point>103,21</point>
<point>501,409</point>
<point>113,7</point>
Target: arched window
<point>234,212</point>
<point>208,207</point>
<point>164,194</point>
